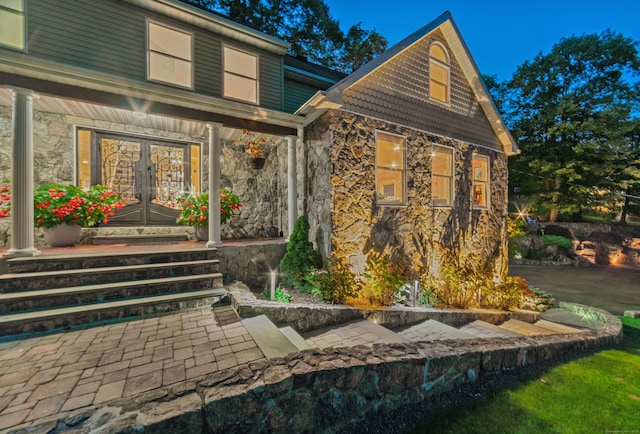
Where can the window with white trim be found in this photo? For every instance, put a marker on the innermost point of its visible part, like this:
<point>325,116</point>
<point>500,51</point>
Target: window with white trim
<point>439,72</point>
<point>390,169</point>
<point>170,55</point>
<point>240,75</point>
<point>480,176</point>
<point>442,176</point>
<point>12,24</point>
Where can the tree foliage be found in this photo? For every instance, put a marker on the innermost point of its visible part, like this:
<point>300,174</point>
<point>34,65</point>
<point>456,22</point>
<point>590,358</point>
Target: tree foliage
<point>574,114</point>
<point>308,26</point>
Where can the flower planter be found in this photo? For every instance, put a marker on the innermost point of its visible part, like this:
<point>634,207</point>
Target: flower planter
<point>62,235</point>
<point>257,163</point>
<point>202,233</point>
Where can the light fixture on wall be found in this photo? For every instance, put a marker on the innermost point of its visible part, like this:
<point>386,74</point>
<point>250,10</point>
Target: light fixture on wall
<point>433,152</point>
<point>139,115</point>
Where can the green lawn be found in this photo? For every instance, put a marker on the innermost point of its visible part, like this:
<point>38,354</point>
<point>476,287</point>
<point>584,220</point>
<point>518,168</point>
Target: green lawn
<point>594,394</point>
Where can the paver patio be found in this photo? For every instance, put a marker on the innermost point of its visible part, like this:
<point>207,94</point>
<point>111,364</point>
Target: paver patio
<point>61,372</point>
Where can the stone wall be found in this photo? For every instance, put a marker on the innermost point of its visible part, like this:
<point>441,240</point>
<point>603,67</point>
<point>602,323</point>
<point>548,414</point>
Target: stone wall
<point>305,318</point>
<point>331,390</point>
<point>263,192</point>
<point>251,264</point>
<point>342,153</point>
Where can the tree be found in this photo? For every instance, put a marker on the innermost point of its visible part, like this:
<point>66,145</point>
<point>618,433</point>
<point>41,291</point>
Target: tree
<point>572,111</point>
<point>308,26</point>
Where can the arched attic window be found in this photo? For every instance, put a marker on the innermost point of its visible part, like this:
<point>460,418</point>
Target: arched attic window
<point>439,72</point>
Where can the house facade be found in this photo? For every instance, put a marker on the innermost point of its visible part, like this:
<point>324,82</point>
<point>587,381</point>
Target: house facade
<point>415,161</point>
<point>406,155</point>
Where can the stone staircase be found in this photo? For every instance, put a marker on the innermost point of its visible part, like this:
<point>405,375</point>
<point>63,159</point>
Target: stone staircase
<point>58,292</point>
<point>279,342</point>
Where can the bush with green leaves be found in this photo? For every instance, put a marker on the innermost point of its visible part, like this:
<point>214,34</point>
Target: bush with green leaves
<point>517,227</point>
<point>301,258</point>
<point>334,283</point>
<point>384,278</point>
<point>509,294</point>
<point>557,240</point>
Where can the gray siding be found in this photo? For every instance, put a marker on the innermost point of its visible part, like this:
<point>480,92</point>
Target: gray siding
<point>271,81</point>
<point>399,92</point>
<point>110,36</point>
<point>296,94</point>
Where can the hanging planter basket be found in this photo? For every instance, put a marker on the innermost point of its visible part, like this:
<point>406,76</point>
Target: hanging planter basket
<point>257,163</point>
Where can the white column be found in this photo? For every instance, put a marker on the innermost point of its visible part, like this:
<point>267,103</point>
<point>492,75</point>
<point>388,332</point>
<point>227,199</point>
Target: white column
<point>22,174</point>
<point>292,184</point>
<point>215,239</point>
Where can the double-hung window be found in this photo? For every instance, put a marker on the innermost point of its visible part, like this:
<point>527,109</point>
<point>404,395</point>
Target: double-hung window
<point>240,75</point>
<point>442,176</point>
<point>439,71</point>
<point>12,27</point>
<point>170,55</point>
<point>390,169</point>
<point>480,168</point>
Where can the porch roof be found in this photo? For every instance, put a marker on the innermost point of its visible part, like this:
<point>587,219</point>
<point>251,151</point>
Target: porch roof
<point>74,83</point>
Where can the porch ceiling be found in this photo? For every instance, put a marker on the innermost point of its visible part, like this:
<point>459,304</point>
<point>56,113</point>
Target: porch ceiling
<point>80,109</point>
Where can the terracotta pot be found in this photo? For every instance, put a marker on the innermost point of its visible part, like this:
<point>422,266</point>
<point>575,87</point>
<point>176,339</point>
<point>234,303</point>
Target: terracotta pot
<point>202,233</point>
<point>62,235</point>
<point>257,163</point>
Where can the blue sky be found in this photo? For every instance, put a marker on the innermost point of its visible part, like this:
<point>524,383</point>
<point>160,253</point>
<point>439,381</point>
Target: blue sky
<point>500,34</point>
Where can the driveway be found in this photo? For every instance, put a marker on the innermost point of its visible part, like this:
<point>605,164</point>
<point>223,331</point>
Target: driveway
<point>612,288</point>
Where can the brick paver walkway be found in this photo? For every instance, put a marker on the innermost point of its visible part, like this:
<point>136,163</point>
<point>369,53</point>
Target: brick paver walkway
<point>56,373</point>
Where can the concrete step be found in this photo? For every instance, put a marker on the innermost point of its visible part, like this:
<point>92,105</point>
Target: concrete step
<point>523,328</point>
<point>295,338</point>
<point>87,294</point>
<point>563,316</point>
<point>359,332</point>
<point>139,240</point>
<point>16,282</point>
<point>556,328</point>
<point>84,315</point>
<point>271,341</point>
<point>485,330</point>
<point>432,330</point>
<point>111,259</point>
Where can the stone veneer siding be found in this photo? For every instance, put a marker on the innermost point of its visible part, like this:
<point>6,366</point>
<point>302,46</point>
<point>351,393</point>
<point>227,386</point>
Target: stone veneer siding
<point>263,192</point>
<point>341,155</point>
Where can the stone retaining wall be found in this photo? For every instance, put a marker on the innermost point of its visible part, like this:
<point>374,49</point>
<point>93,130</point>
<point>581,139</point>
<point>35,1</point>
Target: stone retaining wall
<point>251,264</point>
<point>312,317</point>
<point>330,390</point>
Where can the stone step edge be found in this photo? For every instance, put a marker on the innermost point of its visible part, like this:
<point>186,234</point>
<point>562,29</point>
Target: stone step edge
<point>25,295</point>
<point>438,326</point>
<point>491,327</point>
<point>138,239</point>
<point>7,320</point>
<point>98,270</point>
<point>89,256</point>
<point>295,338</point>
<point>271,341</point>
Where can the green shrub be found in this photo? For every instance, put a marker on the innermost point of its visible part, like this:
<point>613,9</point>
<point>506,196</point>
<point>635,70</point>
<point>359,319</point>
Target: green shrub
<point>509,294</point>
<point>384,278</point>
<point>556,240</point>
<point>556,230</point>
<point>300,258</point>
<point>281,295</point>
<point>460,286</point>
<point>516,227</point>
<point>334,283</point>
<point>428,297</point>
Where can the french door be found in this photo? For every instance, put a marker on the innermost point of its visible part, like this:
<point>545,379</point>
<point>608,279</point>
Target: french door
<point>149,175</point>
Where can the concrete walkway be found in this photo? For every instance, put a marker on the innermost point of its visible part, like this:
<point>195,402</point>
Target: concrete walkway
<point>41,377</point>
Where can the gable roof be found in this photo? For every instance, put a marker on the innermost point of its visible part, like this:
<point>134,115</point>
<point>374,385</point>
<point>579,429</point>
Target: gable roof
<point>449,29</point>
